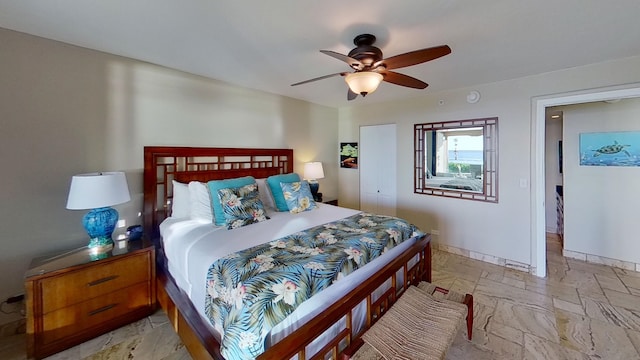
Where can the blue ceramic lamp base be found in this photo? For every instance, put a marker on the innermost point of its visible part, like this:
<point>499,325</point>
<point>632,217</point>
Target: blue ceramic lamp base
<point>100,224</point>
<point>314,187</point>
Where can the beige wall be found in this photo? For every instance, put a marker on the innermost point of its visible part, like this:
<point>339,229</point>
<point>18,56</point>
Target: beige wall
<point>601,202</point>
<point>66,110</point>
<point>500,230</point>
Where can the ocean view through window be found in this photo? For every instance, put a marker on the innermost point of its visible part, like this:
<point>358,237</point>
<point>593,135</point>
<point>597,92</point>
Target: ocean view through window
<point>457,159</point>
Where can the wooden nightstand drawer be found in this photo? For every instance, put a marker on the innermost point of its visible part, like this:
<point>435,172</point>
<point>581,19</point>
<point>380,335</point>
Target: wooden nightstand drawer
<point>75,296</point>
<point>75,319</point>
<point>80,285</point>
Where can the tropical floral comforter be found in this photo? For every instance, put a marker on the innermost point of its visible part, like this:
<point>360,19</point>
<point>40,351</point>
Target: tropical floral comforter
<point>251,291</point>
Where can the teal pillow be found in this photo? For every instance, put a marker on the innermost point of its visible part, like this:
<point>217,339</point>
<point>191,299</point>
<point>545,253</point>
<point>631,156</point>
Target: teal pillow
<point>274,184</point>
<point>298,196</point>
<point>241,206</point>
<point>215,185</point>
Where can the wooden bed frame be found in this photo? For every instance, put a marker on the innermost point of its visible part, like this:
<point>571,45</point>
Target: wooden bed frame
<point>184,164</point>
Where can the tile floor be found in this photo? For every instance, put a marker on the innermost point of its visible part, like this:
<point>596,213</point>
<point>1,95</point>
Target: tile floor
<point>580,311</point>
<point>151,338</point>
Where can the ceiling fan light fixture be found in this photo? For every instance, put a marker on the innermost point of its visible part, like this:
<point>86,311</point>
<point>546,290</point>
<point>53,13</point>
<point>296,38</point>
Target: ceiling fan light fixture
<point>363,82</point>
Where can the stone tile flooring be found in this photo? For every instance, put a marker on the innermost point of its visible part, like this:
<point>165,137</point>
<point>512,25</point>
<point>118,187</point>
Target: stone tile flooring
<point>580,311</point>
<point>151,338</point>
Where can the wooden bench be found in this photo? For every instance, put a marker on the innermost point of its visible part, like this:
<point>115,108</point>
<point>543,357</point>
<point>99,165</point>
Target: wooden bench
<point>422,324</point>
<point>466,299</point>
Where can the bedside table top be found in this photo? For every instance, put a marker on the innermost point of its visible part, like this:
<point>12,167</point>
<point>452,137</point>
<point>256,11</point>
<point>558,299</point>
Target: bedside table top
<point>79,256</point>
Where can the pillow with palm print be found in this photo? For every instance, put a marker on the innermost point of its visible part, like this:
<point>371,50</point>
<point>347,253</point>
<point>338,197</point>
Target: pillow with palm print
<point>215,185</point>
<point>298,196</point>
<point>241,206</point>
<point>274,182</point>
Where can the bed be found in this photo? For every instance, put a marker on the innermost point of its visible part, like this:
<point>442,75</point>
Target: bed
<point>320,328</point>
<point>456,183</point>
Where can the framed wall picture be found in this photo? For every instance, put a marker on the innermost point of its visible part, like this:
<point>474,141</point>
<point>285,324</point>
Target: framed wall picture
<point>610,149</point>
<point>349,155</point>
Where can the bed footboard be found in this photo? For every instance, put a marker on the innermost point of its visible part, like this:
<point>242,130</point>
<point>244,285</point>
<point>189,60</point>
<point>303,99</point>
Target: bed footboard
<point>408,269</point>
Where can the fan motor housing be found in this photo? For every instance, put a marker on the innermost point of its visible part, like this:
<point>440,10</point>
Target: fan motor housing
<point>364,51</point>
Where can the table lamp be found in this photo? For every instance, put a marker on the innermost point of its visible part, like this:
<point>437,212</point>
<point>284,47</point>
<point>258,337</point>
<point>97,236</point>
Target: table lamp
<point>312,172</point>
<point>98,191</point>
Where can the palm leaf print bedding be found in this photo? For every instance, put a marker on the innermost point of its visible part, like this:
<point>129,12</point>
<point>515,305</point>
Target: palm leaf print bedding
<point>251,291</point>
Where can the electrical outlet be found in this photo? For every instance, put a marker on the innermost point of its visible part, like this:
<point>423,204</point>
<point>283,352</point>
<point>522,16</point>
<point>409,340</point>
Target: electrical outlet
<point>435,232</point>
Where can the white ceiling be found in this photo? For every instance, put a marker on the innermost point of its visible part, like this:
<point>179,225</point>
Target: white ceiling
<point>270,44</point>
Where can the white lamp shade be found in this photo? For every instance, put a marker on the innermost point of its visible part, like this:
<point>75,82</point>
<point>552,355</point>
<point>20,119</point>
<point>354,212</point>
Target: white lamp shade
<point>363,82</point>
<point>97,190</point>
<point>313,170</point>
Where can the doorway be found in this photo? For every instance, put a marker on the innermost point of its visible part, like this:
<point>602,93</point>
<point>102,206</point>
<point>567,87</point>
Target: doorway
<point>539,106</point>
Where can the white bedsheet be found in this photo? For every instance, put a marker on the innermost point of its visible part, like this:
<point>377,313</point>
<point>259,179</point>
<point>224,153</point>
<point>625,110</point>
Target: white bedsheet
<point>191,246</point>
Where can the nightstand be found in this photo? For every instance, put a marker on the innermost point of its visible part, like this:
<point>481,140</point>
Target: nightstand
<point>331,202</point>
<point>74,296</point>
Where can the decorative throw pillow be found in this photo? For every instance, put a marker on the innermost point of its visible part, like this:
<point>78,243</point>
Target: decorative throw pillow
<point>265,194</point>
<point>180,203</point>
<point>200,201</point>
<point>215,185</point>
<point>274,184</point>
<point>241,206</point>
<point>298,196</point>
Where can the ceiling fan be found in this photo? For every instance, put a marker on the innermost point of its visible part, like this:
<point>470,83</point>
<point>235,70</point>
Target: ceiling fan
<point>371,68</point>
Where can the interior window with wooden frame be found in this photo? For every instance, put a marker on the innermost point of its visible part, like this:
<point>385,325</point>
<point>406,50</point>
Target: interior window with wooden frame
<point>457,159</point>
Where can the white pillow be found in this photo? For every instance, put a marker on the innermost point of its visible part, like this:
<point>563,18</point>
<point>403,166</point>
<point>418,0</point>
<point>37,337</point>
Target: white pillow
<point>181,199</point>
<point>200,201</point>
<point>264,193</point>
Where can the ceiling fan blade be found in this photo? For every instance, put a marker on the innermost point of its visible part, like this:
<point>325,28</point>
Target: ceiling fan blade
<point>350,94</point>
<point>403,80</point>
<point>414,57</point>
<point>320,78</point>
<point>354,63</point>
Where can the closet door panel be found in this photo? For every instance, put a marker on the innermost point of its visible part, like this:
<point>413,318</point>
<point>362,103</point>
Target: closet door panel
<point>377,164</point>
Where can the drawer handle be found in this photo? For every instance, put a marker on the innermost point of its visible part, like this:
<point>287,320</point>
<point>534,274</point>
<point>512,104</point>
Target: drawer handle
<point>102,309</point>
<point>103,280</point>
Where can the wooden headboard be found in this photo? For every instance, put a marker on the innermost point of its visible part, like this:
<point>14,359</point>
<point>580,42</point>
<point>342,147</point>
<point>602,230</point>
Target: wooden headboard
<point>163,164</point>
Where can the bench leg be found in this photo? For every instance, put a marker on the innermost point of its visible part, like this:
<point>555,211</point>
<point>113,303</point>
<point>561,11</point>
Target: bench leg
<point>468,300</point>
